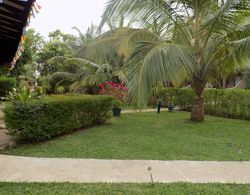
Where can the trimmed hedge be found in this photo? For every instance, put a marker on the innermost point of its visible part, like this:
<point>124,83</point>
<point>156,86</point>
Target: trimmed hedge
<point>230,103</point>
<point>6,85</point>
<point>37,120</point>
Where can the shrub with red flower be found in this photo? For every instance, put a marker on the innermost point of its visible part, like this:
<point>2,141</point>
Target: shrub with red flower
<point>117,90</point>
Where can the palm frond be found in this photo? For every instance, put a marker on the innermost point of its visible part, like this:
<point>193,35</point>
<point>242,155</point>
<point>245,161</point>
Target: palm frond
<point>153,62</point>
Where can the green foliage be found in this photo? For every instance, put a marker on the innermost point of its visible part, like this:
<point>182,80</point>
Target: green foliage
<point>22,84</point>
<point>6,85</point>
<point>231,103</point>
<point>60,44</point>
<point>27,63</point>
<point>37,120</point>
<point>201,35</point>
<point>79,75</point>
<point>40,91</point>
<point>60,90</point>
<point>44,82</point>
<point>180,97</point>
<point>23,94</point>
<point>116,104</point>
<point>247,78</point>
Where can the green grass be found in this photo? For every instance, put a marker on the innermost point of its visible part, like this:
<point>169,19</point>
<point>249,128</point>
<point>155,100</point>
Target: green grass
<point>170,189</point>
<point>168,136</point>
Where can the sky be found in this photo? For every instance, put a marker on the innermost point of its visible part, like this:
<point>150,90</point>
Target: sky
<point>65,14</point>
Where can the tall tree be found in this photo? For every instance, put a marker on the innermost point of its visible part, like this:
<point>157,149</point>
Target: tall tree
<point>26,66</point>
<point>203,34</point>
<point>60,44</point>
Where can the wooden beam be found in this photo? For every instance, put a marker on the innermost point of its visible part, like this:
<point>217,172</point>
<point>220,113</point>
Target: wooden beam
<point>2,15</point>
<point>10,37</point>
<point>8,33</point>
<point>14,12</point>
<point>14,4</point>
<point>10,25</point>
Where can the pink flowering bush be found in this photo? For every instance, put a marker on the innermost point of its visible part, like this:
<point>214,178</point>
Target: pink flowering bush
<point>116,90</point>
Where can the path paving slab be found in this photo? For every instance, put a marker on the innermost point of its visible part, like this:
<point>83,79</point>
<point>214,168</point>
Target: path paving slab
<point>6,141</point>
<point>25,169</point>
<point>144,110</point>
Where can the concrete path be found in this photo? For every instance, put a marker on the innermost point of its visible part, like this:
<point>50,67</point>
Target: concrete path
<point>6,141</point>
<point>144,110</point>
<point>25,169</point>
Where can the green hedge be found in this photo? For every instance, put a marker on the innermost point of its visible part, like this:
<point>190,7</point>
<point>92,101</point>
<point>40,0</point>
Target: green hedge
<point>6,85</point>
<point>37,120</point>
<point>231,103</point>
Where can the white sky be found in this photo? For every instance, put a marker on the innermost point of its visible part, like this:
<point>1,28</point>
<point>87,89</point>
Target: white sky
<point>64,14</point>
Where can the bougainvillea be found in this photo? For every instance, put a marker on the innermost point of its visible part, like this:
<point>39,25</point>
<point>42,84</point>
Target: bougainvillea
<point>117,90</point>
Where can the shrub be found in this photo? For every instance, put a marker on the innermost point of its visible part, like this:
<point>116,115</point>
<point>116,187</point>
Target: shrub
<point>116,90</point>
<point>45,84</point>
<point>6,85</point>
<point>247,78</point>
<point>39,91</point>
<point>60,90</point>
<point>41,119</point>
<point>231,103</point>
<point>180,97</point>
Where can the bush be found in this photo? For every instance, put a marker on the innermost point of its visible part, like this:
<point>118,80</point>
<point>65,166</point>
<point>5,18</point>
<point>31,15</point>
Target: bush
<point>116,90</point>
<point>37,120</point>
<point>247,78</point>
<point>180,97</point>
<point>6,85</point>
<point>60,90</point>
<point>45,84</point>
<point>231,103</point>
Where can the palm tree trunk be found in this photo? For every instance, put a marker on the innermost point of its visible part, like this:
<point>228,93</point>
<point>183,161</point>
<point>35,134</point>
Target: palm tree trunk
<point>198,112</point>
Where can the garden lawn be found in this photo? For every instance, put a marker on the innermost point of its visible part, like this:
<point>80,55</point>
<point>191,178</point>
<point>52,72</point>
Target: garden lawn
<point>165,136</point>
<point>171,189</point>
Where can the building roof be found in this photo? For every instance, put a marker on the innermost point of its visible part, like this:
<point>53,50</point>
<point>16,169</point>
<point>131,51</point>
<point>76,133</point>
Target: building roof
<point>13,18</point>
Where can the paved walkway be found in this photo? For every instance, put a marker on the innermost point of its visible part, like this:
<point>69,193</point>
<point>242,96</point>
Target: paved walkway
<point>25,169</point>
<point>5,140</point>
<point>144,110</point>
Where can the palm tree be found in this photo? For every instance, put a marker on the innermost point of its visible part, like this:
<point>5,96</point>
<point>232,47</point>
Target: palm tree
<point>203,34</point>
<point>112,47</point>
<point>87,75</point>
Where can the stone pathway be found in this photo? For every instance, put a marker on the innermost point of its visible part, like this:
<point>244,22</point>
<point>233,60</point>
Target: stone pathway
<point>144,110</point>
<point>25,169</point>
<point>5,140</point>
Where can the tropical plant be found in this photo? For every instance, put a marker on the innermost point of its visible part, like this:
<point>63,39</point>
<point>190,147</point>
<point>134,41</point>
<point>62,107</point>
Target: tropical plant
<point>6,85</point>
<point>247,77</point>
<point>86,74</point>
<point>204,33</point>
<point>116,90</point>
<point>60,90</point>
<point>23,94</point>
<point>112,47</point>
<point>221,74</point>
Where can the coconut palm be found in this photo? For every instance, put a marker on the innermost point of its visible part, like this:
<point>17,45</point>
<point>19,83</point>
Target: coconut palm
<point>204,33</point>
<point>113,47</point>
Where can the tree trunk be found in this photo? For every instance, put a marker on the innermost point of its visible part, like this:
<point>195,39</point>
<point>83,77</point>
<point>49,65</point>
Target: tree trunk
<point>198,112</point>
